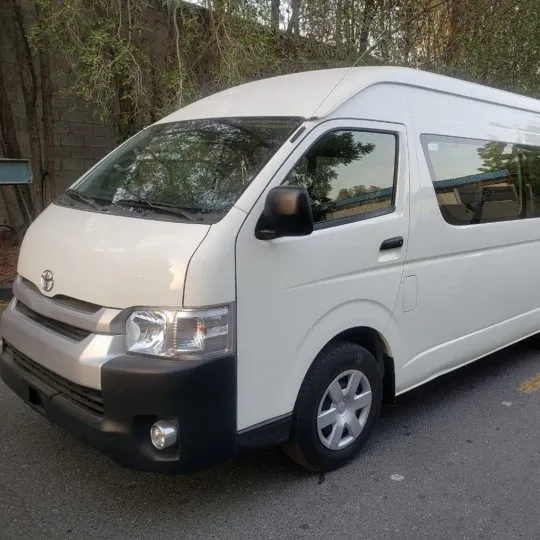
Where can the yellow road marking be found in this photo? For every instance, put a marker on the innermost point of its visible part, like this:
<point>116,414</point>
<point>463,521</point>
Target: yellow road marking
<point>530,385</point>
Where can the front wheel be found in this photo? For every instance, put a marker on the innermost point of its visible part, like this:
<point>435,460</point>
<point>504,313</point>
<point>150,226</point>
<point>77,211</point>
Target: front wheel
<point>337,406</point>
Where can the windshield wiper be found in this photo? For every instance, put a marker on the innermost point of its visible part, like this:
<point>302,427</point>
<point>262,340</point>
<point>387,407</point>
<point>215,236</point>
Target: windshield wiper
<point>86,199</point>
<point>147,205</point>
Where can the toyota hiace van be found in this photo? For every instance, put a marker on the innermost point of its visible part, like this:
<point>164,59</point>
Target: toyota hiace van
<point>270,264</point>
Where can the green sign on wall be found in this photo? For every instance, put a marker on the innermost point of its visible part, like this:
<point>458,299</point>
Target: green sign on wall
<point>15,171</point>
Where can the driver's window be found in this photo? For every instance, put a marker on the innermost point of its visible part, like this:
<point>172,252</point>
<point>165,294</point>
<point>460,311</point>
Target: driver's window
<point>348,174</point>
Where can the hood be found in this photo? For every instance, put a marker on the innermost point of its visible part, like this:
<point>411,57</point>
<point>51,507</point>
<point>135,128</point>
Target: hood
<point>112,261</point>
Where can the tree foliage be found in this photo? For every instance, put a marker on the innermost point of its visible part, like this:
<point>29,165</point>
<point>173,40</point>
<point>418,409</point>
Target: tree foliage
<point>134,69</point>
<point>135,60</point>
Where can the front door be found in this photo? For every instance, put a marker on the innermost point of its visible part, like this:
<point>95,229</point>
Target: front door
<point>295,294</point>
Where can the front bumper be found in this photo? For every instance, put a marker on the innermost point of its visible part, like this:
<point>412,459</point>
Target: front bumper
<point>135,392</point>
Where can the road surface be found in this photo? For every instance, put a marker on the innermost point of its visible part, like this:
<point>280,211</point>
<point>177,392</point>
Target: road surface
<point>456,459</point>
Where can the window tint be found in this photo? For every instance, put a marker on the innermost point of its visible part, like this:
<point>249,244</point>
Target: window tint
<point>483,181</point>
<point>348,174</point>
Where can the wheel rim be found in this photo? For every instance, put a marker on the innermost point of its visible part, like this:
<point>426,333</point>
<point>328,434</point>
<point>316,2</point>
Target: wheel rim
<point>344,409</point>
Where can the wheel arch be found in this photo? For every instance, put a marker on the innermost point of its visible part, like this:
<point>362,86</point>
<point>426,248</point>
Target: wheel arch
<point>377,345</point>
<point>366,323</point>
<point>366,333</point>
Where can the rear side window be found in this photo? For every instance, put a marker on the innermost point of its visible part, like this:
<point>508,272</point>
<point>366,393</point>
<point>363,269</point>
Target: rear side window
<point>479,181</point>
<point>349,175</point>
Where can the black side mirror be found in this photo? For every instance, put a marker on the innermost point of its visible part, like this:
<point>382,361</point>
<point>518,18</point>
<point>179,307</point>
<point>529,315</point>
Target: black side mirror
<point>287,212</point>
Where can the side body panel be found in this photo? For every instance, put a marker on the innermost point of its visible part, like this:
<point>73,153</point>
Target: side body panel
<point>210,274</point>
<point>475,284</point>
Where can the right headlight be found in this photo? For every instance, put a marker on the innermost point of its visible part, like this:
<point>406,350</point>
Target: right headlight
<point>182,334</point>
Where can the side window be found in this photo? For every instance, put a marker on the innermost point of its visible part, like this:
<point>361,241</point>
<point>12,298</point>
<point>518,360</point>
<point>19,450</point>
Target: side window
<point>348,174</point>
<point>480,181</point>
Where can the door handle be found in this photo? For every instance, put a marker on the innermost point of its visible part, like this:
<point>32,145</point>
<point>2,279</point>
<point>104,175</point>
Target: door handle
<point>392,243</point>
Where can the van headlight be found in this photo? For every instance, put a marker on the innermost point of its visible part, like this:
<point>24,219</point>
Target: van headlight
<point>182,334</point>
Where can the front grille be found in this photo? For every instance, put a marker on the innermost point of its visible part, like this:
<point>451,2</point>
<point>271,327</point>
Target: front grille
<point>29,285</point>
<point>67,301</point>
<point>66,330</point>
<point>89,399</point>
<point>79,305</point>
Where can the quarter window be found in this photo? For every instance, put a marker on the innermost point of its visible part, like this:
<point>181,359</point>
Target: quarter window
<point>348,175</point>
<point>478,181</point>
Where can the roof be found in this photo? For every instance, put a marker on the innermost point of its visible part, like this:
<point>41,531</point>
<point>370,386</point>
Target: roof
<point>319,93</point>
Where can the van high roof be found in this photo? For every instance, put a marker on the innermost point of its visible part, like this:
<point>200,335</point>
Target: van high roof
<point>319,93</point>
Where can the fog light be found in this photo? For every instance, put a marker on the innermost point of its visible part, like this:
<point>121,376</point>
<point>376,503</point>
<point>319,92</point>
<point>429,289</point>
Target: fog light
<point>164,433</point>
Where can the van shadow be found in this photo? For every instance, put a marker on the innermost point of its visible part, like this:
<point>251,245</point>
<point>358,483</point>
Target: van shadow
<point>472,382</point>
<point>268,472</point>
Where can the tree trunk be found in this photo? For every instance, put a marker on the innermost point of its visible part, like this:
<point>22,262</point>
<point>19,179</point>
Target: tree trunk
<point>49,187</point>
<point>408,34</point>
<point>294,21</point>
<point>275,14</point>
<point>15,218</point>
<point>367,18</point>
<point>28,78</point>
<point>350,22</point>
<point>457,10</point>
<point>339,23</point>
<point>18,214</point>
<point>10,144</point>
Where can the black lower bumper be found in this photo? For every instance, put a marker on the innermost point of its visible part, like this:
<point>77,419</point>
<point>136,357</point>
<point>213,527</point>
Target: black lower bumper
<point>137,391</point>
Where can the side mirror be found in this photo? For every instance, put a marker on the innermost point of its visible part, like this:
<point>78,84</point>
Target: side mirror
<point>287,212</point>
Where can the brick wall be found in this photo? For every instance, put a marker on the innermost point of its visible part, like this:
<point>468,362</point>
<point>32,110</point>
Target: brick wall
<point>80,137</point>
<point>80,140</point>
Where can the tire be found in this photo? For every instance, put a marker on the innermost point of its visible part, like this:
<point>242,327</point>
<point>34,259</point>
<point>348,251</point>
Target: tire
<point>321,448</point>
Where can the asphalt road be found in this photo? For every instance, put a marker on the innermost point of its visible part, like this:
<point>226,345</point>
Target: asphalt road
<point>456,459</point>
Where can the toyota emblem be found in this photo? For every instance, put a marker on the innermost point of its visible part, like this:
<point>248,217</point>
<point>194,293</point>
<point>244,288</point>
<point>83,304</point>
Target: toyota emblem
<point>47,281</point>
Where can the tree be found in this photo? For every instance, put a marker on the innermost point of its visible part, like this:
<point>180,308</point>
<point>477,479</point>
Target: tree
<point>49,175</point>
<point>17,199</point>
<point>497,156</point>
<point>132,74</point>
<point>18,214</point>
<point>29,85</point>
<point>275,15</point>
<point>294,21</point>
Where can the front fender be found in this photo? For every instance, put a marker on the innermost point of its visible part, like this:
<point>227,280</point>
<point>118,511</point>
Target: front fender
<point>352,314</point>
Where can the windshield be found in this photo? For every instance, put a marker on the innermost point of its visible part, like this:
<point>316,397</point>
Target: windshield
<point>189,171</point>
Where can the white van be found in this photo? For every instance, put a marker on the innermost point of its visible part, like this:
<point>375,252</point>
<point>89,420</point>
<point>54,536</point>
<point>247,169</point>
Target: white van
<point>269,264</point>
